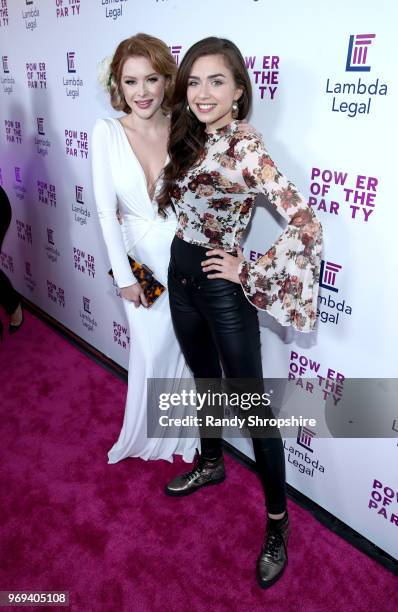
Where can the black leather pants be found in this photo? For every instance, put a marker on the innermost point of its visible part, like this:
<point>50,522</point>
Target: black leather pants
<point>215,324</point>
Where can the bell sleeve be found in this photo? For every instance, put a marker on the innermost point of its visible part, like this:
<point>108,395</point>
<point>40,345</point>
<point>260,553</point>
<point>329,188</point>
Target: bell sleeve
<point>285,280</point>
<point>106,202</point>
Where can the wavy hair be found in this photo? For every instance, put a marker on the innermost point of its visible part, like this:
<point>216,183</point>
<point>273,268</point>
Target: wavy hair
<point>157,52</point>
<point>187,133</point>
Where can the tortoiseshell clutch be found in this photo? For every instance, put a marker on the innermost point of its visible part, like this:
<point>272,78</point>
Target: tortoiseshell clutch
<point>151,286</point>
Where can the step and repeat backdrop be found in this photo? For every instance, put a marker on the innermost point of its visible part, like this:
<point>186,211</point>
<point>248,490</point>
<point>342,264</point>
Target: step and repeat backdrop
<point>325,100</point>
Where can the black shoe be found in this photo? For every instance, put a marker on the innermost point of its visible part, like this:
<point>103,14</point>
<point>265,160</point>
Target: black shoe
<point>205,472</point>
<point>273,558</point>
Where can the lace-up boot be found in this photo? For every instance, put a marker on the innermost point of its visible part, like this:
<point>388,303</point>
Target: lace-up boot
<point>205,472</point>
<point>273,558</point>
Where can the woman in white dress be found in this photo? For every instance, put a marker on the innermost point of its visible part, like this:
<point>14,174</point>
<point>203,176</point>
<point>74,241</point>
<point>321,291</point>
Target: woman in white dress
<point>128,156</point>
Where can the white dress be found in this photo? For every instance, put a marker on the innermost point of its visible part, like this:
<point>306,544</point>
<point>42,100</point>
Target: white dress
<point>119,180</point>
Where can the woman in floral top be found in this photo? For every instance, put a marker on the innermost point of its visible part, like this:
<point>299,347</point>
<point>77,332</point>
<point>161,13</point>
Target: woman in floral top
<point>212,180</point>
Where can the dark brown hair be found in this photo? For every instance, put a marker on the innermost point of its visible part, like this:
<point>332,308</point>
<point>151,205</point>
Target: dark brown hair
<point>187,133</point>
<point>157,52</point>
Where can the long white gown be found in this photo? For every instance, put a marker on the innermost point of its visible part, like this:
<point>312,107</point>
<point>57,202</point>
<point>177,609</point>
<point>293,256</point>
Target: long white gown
<point>119,180</point>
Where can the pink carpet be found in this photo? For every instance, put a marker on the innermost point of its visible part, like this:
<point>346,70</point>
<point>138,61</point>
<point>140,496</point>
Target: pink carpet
<point>108,534</point>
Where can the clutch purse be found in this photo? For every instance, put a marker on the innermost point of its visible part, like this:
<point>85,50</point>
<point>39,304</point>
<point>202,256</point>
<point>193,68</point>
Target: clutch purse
<point>151,286</point>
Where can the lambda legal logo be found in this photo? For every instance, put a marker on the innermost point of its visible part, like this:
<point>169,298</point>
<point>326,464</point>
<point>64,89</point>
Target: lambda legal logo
<point>50,236</point>
<point>358,52</point>
<point>5,64</point>
<point>304,438</point>
<point>43,145</point>
<point>40,126</point>
<point>86,305</point>
<point>327,280</point>
<point>328,275</point>
<point>175,52</point>
<point>70,59</point>
<point>87,319</point>
<point>79,194</point>
<point>19,188</point>
<point>18,177</point>
<point>82,214</point>
<point>50,248</point>
<point>28,277</point>
<point>302,460</point>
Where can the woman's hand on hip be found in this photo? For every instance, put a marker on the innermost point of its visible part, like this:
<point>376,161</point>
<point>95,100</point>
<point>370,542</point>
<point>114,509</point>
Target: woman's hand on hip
<point>134,293</point>
<point>224,266</point>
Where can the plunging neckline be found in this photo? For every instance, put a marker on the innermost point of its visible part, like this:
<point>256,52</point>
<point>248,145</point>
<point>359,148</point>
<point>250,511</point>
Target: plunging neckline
<point>139,163</point>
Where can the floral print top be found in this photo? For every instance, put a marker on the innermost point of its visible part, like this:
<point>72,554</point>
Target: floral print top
<point>214,201</point>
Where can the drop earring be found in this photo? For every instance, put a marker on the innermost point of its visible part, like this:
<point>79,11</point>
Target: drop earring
<point>235,110</point>
<point>188,108</point>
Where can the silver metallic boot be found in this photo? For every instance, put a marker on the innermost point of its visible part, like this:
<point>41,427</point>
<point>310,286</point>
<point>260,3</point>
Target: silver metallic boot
<point>273,558</point>
<point>205,472</point>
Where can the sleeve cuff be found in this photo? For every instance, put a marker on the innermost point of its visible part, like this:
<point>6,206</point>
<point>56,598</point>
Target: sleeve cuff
<point>285,281</point>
